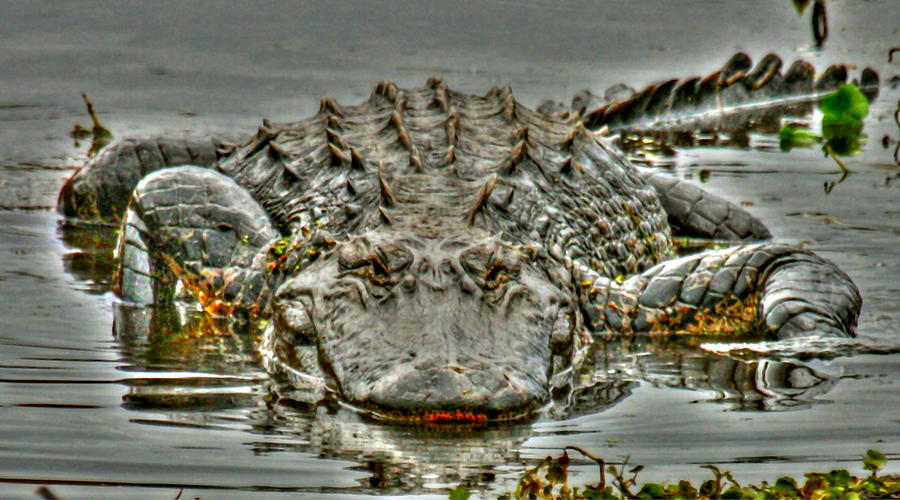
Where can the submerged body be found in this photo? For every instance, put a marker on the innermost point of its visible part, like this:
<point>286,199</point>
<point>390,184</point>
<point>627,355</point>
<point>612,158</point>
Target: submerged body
<point>432,255</point>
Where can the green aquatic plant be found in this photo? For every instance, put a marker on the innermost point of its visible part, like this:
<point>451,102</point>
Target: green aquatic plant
<point>549,480</point>
<point>843,112</point>
<point>99,135</point>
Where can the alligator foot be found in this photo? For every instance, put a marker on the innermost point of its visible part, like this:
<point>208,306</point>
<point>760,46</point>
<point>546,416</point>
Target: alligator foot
<point>194,227</point>
<point>777,290</point>
<point>100,190</point>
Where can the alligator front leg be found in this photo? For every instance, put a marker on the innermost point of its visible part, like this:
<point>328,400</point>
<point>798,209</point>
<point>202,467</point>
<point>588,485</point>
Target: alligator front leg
<point>100,190</point>
<point>776,290</point>
<point>197,227</point>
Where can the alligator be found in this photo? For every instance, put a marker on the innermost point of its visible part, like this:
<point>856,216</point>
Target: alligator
<point>433,256</point>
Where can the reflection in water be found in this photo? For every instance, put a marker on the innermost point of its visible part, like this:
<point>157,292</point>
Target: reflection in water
<point>90,255</point>
<point>762,384</point>
<point>185,373</point>
<point>397,458</point>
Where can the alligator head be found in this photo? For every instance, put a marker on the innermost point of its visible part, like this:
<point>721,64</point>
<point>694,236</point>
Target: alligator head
<point>456,328</point>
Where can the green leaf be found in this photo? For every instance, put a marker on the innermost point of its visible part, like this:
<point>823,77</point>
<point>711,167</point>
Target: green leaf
<point>869,485</point>
<point>591,492</point>
<point>459,493</point>
<point>874,461</point>
<point>837,492</point>
<point>732,493</point>
<point>651,490</point>
<point>844,145</point>
<point>839,477</point>
<point>797,137</point>
<point>785,485</point>
<point>709,488</point>
<point>846,101</point>
<point>842,122</point>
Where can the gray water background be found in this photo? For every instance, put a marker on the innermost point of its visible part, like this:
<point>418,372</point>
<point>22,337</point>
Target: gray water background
<point>71,411</point>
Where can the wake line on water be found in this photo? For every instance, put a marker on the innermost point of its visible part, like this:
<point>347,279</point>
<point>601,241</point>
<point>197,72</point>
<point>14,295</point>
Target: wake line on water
<point>816,347</point>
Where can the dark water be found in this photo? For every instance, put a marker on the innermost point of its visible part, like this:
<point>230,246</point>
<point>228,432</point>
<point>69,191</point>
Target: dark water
<point>92,414</point>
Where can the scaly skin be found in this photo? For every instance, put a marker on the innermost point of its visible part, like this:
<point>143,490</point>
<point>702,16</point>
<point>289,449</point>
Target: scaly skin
<point>438,256</point>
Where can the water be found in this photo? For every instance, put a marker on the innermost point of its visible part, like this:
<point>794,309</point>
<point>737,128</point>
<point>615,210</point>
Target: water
<point>91,414</point>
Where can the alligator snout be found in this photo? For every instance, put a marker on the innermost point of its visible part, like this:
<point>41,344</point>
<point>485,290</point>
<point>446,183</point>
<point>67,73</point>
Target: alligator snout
<point>454,393</point>
<point>447,331</point>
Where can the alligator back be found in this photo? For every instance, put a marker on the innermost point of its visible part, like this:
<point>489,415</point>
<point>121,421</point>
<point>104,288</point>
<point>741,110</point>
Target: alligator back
<point>437,163</point>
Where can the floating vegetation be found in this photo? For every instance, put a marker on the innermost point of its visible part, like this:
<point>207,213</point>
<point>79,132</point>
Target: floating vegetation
<point>550,480</point>
<point>99,135</point>
<point>843,112</point>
